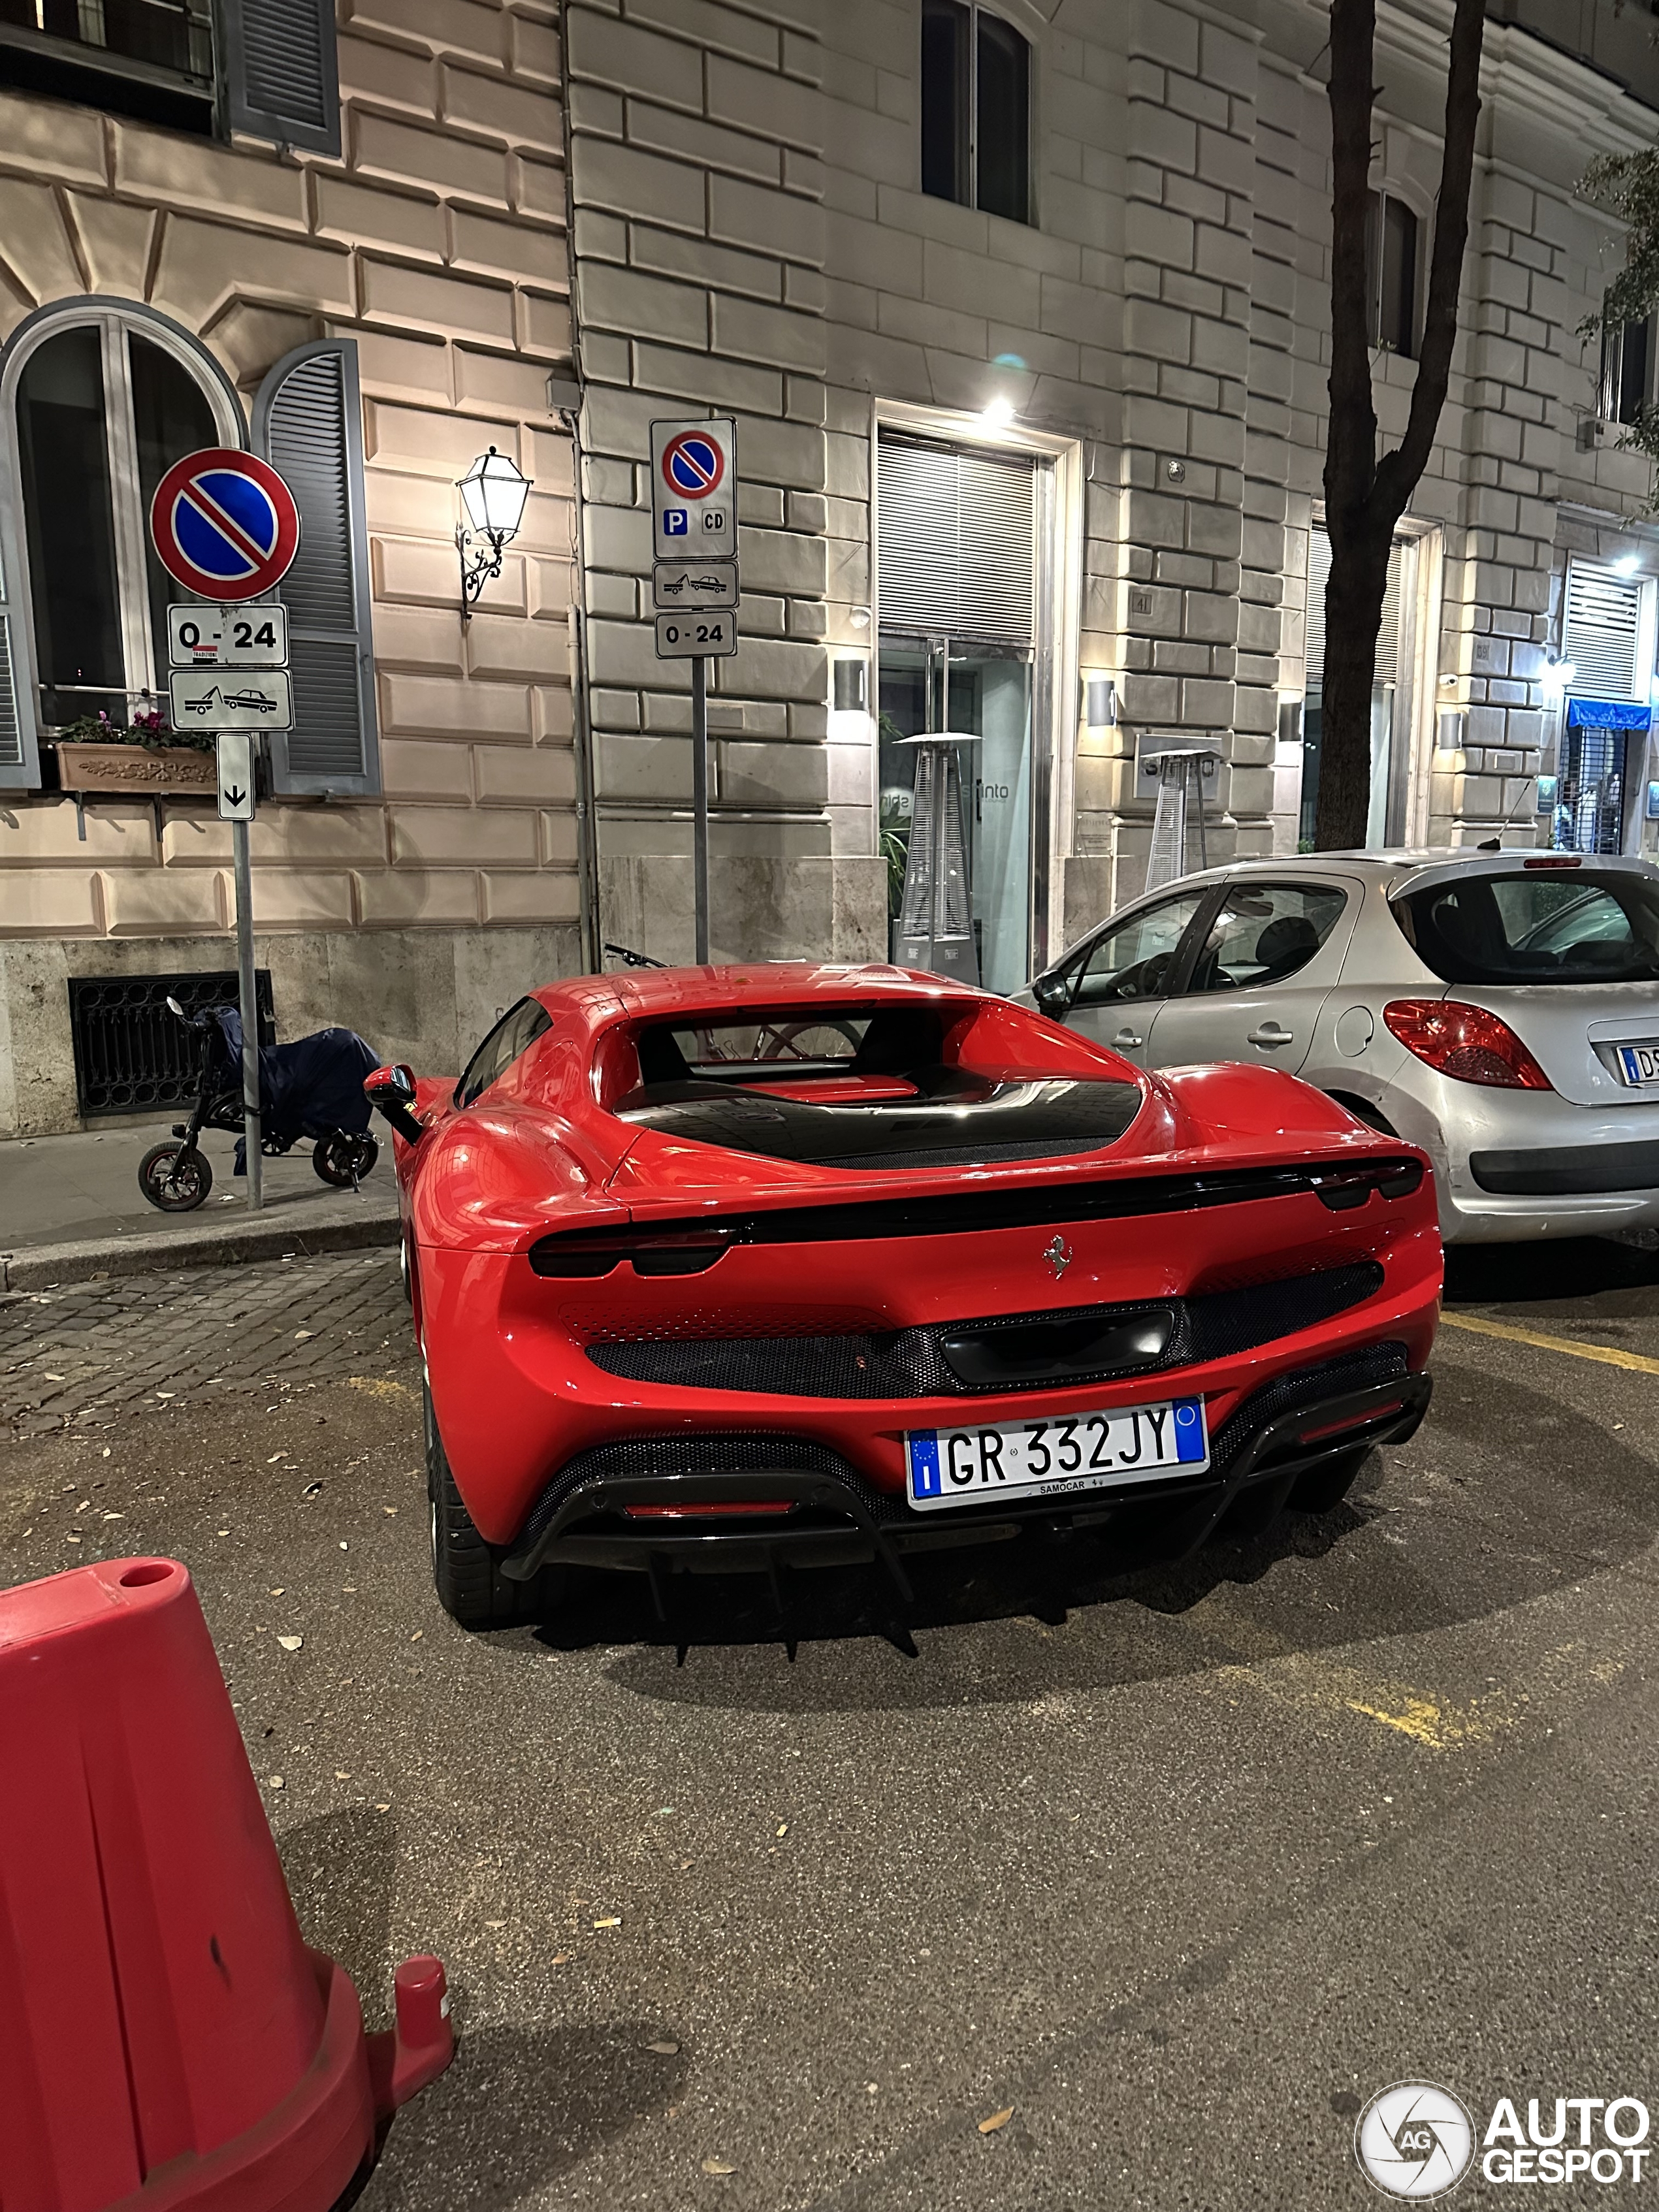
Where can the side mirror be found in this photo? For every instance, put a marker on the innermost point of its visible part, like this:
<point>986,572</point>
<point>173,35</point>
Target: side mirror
<point>1054,994</point>
<point>390,1091</point>
<point>391,1086</point>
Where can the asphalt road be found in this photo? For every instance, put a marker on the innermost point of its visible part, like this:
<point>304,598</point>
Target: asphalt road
<point>1180,1869</point>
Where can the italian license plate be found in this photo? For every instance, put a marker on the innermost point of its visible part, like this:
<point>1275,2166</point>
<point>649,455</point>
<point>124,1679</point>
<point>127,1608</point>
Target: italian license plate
<point>1056,1455</point>
<point>1639,1066</point>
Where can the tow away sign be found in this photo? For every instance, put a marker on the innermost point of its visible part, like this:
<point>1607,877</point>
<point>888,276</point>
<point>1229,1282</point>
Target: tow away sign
<point>231,699</point>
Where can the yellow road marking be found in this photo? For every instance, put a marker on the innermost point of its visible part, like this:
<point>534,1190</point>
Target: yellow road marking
<point>1607,1354</point>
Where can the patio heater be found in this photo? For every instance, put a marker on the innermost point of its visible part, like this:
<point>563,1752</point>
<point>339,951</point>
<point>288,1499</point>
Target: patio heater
<point>935,924</point>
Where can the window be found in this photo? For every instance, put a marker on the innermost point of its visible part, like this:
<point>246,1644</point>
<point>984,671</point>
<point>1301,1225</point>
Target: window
<point>147,57</point>
<point>1264,933</point>
<point>1135,958</point>
<point>975,109</point>
<point>272,73</point>
<point>1627,370</point>
<point>1540,928</point>
<point>101,406</point>
<point>1391,274</point>
<point>514,1035</point>
<point>1607,633</point>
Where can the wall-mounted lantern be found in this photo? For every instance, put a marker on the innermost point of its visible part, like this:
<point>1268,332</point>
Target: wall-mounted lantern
<point>493,492</point>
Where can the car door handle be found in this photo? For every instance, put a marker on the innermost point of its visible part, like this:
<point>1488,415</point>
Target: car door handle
<point>1270,1034</point>
<point>1127,1040</point>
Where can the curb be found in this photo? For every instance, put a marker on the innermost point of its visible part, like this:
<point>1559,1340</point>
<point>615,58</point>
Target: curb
<point>44,1265</point>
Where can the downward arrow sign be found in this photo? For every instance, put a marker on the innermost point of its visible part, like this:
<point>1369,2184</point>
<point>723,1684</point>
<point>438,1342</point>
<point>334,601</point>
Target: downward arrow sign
<point>232,799</point>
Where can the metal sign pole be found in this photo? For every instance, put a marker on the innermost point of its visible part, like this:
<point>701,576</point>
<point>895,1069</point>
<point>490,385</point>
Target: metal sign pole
<point>250,1013</point>
<point>700,802</point>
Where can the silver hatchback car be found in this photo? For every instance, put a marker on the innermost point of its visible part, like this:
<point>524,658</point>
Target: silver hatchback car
<point>1499,1008</point>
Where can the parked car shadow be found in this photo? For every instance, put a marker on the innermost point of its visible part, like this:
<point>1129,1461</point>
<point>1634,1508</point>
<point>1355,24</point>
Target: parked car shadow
<point>1615,1274</point>
<point>1506,1495</point>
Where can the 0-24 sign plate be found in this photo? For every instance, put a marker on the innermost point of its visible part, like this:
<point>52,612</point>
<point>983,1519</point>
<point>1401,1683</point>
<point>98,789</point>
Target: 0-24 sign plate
<point>691,636</point>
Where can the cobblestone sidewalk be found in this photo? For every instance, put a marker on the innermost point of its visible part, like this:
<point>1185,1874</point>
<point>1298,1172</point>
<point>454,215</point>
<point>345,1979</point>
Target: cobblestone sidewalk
<point>89,1354</point>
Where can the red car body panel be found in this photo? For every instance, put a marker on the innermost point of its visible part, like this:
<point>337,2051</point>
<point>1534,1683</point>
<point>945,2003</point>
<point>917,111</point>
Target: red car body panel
<point>542,1151</point>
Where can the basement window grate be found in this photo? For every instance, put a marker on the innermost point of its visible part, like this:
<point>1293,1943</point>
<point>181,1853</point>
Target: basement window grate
<point>133,1055</point>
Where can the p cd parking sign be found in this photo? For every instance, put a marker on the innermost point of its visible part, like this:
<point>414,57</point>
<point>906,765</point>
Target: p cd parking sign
<point>224,524</point>
<point>694,480</point>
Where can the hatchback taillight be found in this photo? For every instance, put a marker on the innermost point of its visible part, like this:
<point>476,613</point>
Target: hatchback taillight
<point>1466,1042</point>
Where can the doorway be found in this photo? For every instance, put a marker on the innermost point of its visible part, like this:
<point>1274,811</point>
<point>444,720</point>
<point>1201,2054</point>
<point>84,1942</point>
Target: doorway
<point>964,577</point>
<point>978,695</point>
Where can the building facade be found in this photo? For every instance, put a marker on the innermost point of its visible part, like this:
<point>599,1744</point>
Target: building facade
<point>1022,313</point>
<point>345,246</point>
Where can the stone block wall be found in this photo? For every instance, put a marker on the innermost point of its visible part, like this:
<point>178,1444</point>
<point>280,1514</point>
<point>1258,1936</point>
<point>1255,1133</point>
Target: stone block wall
<point>696,143</point>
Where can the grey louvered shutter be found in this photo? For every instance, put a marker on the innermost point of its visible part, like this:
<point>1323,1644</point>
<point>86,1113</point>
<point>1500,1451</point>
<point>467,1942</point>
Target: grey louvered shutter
<point>959,541</point>
<point>1385,669</point>
<point>1601,636</point>
<point>308,423</point>
<point>20,746</point>
<point>281,71</point>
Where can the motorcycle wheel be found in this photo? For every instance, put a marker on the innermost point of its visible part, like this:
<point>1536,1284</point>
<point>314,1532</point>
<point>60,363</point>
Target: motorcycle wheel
<point>336,1158</point>
<point>173,1178</point>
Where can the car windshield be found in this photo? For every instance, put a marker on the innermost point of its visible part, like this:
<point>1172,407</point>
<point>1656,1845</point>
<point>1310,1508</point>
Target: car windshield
<point>1537,926</point>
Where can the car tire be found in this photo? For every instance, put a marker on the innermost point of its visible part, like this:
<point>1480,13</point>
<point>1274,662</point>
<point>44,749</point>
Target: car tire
<point>175,1178</point>
<point>1322,1489</point>
<point>466,1571</point>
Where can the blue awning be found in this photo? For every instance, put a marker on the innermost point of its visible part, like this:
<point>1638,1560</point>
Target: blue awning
<point>1608,714</point>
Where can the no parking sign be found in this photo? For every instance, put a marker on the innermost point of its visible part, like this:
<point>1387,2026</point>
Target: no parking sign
<point>225,524</point>
<point>693,489</point>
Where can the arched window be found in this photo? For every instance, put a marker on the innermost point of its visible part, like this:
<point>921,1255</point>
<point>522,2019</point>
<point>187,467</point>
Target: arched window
<point>99,401</point>
<point>975,109</point>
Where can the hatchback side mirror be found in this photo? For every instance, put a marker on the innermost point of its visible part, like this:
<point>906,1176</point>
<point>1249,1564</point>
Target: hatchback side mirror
<point>390,1091</point>
<point>1054,994</point>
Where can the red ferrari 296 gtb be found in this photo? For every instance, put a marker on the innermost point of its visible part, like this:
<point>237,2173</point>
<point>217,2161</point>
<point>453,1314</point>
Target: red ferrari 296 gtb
<point>731,1267</point>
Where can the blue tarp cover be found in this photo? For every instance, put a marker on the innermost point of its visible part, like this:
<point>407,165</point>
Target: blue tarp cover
<point>310,1087</point>
<point>1608,714</point>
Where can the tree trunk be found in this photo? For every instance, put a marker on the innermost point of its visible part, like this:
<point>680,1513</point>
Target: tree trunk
<point>1353,615</point>
<point>1365,497</point>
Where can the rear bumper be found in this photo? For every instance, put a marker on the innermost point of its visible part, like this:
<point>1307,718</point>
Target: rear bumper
<point>834,1518</point>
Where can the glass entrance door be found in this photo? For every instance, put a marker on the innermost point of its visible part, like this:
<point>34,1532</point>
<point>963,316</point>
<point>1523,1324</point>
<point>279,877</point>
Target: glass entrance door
<point>977,697</point>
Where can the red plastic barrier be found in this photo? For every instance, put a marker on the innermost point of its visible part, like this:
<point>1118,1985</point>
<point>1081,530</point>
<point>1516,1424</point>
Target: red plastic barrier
<point>168,2042</point>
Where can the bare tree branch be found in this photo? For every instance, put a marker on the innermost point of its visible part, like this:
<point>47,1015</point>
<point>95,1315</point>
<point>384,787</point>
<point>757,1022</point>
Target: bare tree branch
<point>1398,471</point>
<point>1351,445</point>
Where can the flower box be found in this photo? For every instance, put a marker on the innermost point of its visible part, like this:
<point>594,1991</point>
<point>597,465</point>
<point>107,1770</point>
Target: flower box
<point>137,771</point>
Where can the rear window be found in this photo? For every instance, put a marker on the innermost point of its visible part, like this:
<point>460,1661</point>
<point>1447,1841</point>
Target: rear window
<point>1576,927</point>
<point>776,1042</point>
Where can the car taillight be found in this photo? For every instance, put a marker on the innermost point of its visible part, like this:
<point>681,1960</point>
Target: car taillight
<point>684,1252</point>
<point>1466,1042</point>
<point>1342,1188</point>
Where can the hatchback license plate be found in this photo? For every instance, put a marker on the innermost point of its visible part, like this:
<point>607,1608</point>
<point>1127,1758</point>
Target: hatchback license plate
<point>1639,1066</point>
<point>1056,1455</point>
